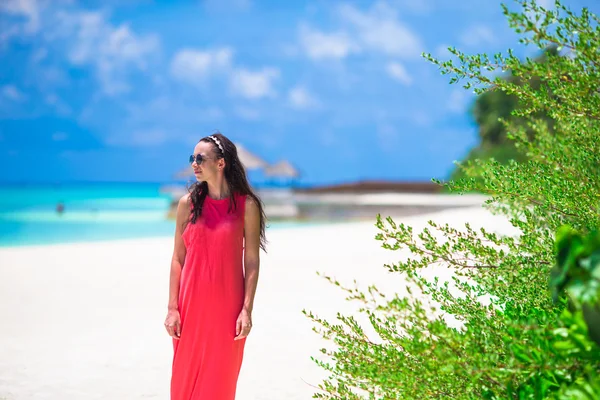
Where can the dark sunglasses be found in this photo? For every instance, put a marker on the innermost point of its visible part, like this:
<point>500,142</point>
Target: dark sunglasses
<point>198,158</point>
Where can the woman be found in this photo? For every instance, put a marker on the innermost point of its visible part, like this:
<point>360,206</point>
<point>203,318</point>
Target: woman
<point>214,272</point>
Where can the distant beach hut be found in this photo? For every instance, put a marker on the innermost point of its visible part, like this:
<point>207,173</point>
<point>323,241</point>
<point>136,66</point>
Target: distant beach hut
<point>250,160</point>
<point>282,171</point>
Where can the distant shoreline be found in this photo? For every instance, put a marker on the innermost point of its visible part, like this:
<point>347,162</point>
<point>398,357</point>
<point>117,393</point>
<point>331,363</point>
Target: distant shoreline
<point>374,186</point>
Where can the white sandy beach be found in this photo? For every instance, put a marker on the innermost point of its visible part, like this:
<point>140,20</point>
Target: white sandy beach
<point>85,321</point>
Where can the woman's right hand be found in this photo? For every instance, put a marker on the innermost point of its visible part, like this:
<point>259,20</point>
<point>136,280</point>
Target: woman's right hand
<point>173,324</point>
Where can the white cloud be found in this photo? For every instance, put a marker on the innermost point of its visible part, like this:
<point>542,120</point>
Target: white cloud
<point>59,136</point>
<point>125,46</point>
<point>110,50</point>
<point>319,45</point>
<point>399,73</point>
<point>12,93</point>
<point>25,8</point>
<point>477,35</point>
<point>300,98</point>
<point>26,18</point>
<point>376,30</point>
<point>379,29</point>
<point>195,66</point>
<point>254,84</point>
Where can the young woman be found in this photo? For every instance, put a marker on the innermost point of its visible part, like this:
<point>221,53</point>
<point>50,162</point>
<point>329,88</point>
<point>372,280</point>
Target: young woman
<point>214,273</point>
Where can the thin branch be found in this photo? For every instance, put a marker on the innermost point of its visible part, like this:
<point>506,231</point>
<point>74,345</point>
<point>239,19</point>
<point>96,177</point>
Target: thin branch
<point>543,36</point>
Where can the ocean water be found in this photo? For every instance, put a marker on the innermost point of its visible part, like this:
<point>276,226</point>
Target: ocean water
<point>92,212</point>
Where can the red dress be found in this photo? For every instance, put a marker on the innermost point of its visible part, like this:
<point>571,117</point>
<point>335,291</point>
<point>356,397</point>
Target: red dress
<point>206,359</point>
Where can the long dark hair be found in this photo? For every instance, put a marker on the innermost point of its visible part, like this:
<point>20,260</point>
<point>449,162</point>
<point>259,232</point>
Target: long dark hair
<point>235,176</point>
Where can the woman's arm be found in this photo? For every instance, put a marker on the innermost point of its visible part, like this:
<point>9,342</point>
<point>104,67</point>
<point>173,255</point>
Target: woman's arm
<point>251,266</point>
<point>172,322</point>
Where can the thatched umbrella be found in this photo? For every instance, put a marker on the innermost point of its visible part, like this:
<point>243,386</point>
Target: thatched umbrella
<point>282,169</point>
<point>184,173</point>
<point>249,160</point>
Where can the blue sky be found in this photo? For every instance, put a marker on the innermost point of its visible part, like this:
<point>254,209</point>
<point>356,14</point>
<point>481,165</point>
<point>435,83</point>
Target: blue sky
<point>122,90</point>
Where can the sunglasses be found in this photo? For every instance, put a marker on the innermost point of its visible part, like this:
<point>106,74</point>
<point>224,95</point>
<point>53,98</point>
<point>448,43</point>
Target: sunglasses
<point>198,158</point>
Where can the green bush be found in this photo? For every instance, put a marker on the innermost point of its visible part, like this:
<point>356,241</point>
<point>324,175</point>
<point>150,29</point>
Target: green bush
<point>493,111</point>
<point>513,339</point>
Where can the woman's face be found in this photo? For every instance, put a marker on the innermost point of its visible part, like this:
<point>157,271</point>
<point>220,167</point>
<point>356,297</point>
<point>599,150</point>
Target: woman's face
<point>208,169</point>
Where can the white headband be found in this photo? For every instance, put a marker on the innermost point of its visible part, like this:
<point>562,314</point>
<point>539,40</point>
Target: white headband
<point>218,144</point>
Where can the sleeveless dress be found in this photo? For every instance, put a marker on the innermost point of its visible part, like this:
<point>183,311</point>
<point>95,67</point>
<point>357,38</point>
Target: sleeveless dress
<point>206,359</point>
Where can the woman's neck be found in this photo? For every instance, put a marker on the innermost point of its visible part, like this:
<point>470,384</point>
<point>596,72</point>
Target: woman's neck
<point>219,190</point>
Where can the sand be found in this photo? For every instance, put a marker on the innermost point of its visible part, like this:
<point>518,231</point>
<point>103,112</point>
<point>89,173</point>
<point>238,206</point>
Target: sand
<point>85,321</point>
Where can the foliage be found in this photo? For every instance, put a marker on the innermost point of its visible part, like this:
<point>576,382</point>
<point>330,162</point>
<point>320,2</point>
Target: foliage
<point>577,274</point>
<point>494,330</point>
<point>578,271</point>
<point>493,113</point>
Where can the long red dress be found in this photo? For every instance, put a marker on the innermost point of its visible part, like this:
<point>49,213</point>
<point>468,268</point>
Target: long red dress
<point>206,359</point>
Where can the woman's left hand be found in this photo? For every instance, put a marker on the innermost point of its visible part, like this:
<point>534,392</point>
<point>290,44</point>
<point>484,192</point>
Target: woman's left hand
<point>243,324</point>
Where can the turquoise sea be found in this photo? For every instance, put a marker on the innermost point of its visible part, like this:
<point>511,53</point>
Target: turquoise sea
<point>92,212</point>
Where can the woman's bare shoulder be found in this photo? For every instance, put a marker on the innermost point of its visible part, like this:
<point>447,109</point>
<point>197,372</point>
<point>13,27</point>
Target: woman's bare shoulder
<point>184,200</point>
<point>249,200</point>
<point>251,206</point>
<point>183,207</point>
